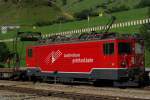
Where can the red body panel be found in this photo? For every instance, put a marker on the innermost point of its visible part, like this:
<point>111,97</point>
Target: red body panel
<point>80,57</point>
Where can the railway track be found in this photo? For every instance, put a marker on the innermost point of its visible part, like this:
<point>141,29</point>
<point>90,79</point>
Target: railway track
<point>74,92</point>
<point>70,95</point>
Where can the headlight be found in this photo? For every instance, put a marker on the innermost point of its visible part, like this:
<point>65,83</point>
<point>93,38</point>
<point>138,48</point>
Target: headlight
<point>123,64</point>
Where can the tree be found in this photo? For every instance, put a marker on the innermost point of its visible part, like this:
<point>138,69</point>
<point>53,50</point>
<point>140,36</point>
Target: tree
<point>118,8</point>
<point>145,31</point>
<point>144,3</point>
<point>5,0</point>
<point>4,52</point>
<point>64,2</point>
<point>83,14</point>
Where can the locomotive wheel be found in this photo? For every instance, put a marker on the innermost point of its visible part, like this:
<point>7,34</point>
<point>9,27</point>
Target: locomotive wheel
<point>143,81</point>
<point>102,83</point>
<point>33,78</point>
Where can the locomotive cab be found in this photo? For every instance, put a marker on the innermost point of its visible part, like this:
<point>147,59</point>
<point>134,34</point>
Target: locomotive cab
<point>131,59</point>
<point>131,54</point>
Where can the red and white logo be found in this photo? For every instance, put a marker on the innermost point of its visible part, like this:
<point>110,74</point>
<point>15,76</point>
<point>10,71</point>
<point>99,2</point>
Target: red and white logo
<point>53,56</point>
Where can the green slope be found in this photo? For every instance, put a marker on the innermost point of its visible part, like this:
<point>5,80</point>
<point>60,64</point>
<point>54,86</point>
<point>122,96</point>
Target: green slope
<point>31,12</point>
<point>134,14</point>
<point>74,6</point>
<point>27,14</point>
<point>121,17</point>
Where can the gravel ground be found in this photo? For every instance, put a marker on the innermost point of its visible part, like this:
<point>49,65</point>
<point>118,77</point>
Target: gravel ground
<point>105,91</point>
<point>6,95</point>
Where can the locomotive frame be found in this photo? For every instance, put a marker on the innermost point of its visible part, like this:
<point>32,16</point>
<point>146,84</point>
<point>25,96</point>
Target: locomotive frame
<point>121,69</point>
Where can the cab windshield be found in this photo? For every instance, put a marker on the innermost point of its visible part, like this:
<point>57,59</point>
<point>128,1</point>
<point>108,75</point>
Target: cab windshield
<point>139,48</point>
<point>124,48</point>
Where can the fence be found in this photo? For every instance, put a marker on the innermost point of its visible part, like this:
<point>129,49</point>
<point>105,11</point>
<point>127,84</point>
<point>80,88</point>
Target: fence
<point>98,28</point>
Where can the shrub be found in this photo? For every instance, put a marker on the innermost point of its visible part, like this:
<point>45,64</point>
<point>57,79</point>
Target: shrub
<point>64,2</point>
<point>145,31</point>
<point>43,23</point>
<point>146,35</point>
<point>4,51</point>
<point>57,21</point>
<point>143,3</point>
<point>80,0</point>
<point>82,15</point>
<point>119,8</point>
<point>1,65</point>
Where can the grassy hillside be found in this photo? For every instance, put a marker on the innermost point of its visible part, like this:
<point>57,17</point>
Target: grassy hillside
<point>94,21</point>
<point>74,6</point>
<point>79,5</point>
<point>27,13</point>
<point>30,12</point>
<point>121,17</point>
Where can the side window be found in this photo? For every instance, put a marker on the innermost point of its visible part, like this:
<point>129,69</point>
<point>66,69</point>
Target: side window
<point>138,48</point>
<point>108,48</point>
<point>30,52</point>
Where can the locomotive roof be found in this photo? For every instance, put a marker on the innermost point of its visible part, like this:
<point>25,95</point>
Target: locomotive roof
<point>82,41</point>
<point>93,37</point>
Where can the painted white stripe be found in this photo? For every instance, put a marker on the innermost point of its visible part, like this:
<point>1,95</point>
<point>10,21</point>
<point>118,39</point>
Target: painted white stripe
<point>96,28</point>
<point>76,72</point>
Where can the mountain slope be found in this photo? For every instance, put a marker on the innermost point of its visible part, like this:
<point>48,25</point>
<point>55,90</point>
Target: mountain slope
<point>33,12</point>
<point>74,6</point>
<point>28,13</point>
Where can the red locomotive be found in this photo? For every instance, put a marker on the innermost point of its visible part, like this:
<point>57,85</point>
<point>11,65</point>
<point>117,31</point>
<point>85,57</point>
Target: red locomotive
<point>119,59</point>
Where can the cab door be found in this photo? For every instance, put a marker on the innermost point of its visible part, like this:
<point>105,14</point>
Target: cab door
<point>30,57</point>
<point>109,54</point>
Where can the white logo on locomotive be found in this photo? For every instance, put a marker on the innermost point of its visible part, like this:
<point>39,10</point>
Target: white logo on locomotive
<point>53,56</point>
